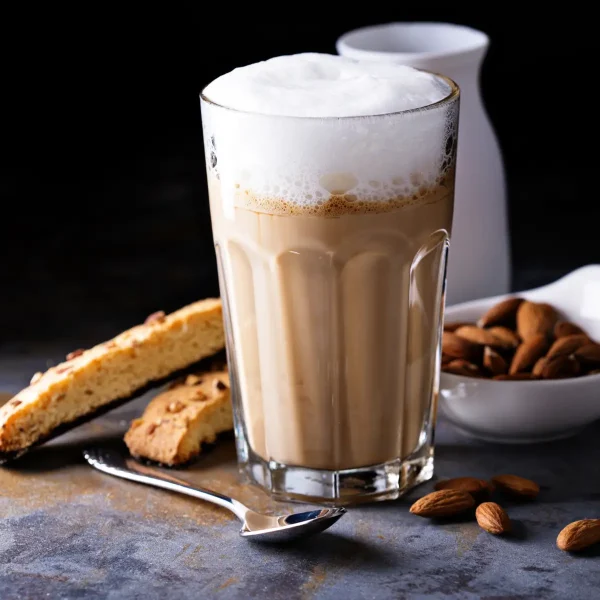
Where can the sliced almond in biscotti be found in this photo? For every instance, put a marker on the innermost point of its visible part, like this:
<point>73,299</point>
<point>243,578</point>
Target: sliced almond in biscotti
<point>493,362</point>
<point>481,336</point>
<point>528,353</point>
<point>502,313</point>
<point>509,338</point>
<point>462,367</point>
<point>560,367</point>
<point>565,328</point>
<point>588,355</point>
<point>566,345</point>
<point>458,347</point>
<point>535,318</point>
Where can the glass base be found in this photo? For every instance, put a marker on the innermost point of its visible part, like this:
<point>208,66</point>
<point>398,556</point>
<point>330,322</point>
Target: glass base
<point>386,481</point>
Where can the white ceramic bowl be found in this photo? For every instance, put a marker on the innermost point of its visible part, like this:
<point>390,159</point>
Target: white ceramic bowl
<point>529,411</point>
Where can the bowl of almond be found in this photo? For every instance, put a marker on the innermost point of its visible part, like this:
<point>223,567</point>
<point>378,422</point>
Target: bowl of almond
<point>524,367</point>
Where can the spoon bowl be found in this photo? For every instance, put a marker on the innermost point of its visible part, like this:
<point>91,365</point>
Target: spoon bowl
<point>529,411</point>
<point>286,528</point>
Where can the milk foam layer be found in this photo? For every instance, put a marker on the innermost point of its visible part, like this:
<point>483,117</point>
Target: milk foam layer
<point>283,140</point>
<point>323,85</point>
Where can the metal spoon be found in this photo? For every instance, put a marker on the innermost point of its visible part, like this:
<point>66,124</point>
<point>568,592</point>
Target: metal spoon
<point>255,526</point>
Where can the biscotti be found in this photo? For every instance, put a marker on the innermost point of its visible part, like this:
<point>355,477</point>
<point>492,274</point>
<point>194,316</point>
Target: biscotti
<point>93,381</point>
<point>178,421</point>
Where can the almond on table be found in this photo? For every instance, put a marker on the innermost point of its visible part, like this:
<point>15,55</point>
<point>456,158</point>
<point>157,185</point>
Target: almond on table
<point>579,535</point>
<point>474,486</point>
<point>443,503</point>
<point>516,486</point>
<point>492,518</point>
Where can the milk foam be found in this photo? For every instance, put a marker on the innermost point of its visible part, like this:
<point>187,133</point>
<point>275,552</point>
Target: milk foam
<point>323,85</point>
<point>283,140</point>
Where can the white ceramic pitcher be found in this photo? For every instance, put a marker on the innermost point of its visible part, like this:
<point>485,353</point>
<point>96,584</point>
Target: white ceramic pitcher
<point>479,262</point>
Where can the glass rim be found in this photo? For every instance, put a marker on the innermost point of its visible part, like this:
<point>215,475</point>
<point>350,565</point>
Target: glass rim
<point>453,94</point>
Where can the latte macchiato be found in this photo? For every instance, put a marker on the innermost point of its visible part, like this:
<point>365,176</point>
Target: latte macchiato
<point>331,191</point>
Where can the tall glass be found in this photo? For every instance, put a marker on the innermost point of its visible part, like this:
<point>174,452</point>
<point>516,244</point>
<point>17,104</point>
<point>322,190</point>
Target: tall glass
<point>331,237</point>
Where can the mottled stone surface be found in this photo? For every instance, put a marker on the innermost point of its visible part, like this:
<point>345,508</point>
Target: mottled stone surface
<point>67,531</point>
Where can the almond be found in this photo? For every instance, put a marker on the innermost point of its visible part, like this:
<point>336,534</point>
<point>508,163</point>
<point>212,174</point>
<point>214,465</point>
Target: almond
<point>579,535</point>
<point>516,486</point>
<point>565,328</point>
<point>75,354</point>
<point>36,377</point>
<point>458,347</point>
<point>567,344</point>
<point>200,396</point>
<point>193,380</point>
<point>493,518</point>
<point>539,367</point>
<point>446,359</point>
<point>472,485</point>
<point>534,319</point>
<point>458,366</point>
<point>219,385</point>
<point>508,336</point>
<point>493,362</point>
<point>480,336</point>
<point>443,503</point>
<point>560,367</point>
<point>156,317</point>
<point>502,313</point>
<point>454,326</point>
<point>528,353</point>
<point>589,355</point>
<point>515,377</point>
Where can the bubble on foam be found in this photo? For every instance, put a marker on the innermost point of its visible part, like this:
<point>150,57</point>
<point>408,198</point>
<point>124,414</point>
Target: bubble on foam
<point>305,161</point>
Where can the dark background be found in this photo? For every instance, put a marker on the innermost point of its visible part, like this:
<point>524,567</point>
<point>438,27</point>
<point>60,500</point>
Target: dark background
<point>103,183</point>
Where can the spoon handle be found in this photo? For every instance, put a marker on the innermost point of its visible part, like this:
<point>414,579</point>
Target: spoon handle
<point>111,461</point>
